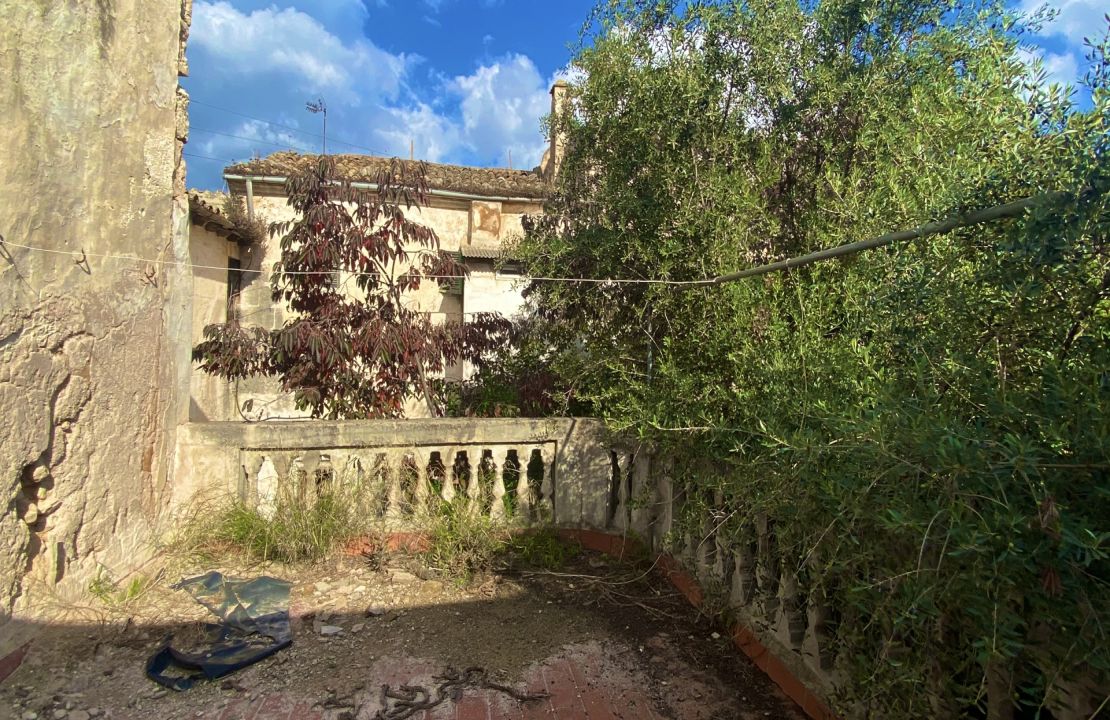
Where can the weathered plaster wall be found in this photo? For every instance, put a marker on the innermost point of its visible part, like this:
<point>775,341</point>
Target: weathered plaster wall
<point>457,222</point>
<point>93,351</point>
<point>210,397</point>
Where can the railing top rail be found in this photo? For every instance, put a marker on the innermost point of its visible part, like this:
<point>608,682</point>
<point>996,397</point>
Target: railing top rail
<point>431,432</point>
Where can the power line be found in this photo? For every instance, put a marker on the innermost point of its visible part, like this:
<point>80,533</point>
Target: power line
<point>939,227</point>
<point>253,140</point>
<point>209,157</point>
<point>942,226</point>
<point>288,127</point>
<point>107,256</point>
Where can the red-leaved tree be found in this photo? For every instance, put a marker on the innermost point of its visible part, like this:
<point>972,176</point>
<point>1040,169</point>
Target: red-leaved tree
<point>353,347</point>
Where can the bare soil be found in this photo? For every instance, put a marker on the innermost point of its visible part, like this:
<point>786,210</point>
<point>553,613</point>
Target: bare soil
<point>398,619</point>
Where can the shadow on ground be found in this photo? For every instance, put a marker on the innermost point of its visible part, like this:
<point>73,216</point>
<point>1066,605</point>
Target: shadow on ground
<point>598,648</point>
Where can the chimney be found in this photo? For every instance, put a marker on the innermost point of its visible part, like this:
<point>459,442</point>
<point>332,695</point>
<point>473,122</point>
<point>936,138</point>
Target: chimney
<point>553,158</point>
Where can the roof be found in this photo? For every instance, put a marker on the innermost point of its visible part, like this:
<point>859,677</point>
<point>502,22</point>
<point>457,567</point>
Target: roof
<point>487,182</point>
<point>480,253</point>
<point>204,214</point>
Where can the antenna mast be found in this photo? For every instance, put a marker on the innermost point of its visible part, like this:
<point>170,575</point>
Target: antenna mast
<point>320,107</point>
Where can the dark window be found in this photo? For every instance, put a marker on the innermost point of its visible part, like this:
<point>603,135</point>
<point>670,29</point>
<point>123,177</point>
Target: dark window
<point>234,288</point>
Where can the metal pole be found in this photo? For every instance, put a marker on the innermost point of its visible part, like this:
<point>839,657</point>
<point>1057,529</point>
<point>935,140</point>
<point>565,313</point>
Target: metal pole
<point>934,228</point>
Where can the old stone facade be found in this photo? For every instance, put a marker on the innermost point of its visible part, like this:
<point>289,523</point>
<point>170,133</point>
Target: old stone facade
<point>94,307</point>
<point>475,212</point>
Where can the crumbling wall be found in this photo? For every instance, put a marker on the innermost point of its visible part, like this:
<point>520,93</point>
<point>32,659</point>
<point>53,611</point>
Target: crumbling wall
<point>93,349</point>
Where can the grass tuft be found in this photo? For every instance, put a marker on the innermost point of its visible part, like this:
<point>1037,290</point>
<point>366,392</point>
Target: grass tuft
<point>296,532</point>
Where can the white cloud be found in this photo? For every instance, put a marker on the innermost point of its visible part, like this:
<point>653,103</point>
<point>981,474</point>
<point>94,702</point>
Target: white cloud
<point>502,105</point>
<point>295,45</point>
<point>1075,19</point>
<point>1059,68</point>
<point>434,136</point>
<point>250,61</point>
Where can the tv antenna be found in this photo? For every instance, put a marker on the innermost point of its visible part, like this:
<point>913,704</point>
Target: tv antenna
<point>320,107</point>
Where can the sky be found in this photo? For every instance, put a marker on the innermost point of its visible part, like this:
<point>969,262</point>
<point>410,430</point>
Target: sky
<point>465,81</point>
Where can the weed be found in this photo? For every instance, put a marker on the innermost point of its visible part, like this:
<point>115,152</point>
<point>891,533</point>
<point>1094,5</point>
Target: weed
<point>296,530</point>
<point>105,588</point>
<point>462,542</point>
<point>542,549</point>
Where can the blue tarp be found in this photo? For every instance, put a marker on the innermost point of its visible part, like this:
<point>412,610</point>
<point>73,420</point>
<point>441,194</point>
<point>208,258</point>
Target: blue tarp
<point>254,624</point>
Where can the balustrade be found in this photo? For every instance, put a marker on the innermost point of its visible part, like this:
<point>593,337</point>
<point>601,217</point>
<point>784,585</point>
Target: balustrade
<point>507,483</point>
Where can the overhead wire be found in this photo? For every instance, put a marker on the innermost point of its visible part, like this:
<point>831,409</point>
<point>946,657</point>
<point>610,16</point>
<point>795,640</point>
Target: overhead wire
<point>209,157</point>
<point>287,127</point>
<point>107,256</point>
<point>250,139</point>
<point>1011,209</point>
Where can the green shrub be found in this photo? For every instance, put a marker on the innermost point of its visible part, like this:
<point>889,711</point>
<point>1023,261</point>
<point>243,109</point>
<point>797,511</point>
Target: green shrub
<point>926,424</point>
<point>542,549</point>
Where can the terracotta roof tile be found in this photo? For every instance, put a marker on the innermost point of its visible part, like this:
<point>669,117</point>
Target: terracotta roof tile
<point>495,182</point>
<point>203,213</point>
<point>480,252</point>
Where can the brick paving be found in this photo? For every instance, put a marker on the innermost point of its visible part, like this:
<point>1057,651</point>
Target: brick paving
<point>604,661</point>
<point>571,696</point>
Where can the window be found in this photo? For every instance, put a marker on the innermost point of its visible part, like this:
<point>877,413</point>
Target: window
<point>234,288</point>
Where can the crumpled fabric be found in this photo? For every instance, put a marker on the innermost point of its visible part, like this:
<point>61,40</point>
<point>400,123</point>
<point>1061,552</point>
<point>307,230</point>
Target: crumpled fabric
<point>253,625</point>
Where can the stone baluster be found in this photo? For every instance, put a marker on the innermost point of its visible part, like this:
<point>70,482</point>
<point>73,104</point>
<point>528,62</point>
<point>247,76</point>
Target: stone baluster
<point>422,487</point>
<point>298,479</point>
<point>817,647</point>
<point>447,455</point>
<point>524,504</point>
<point>473,486</point>
<point>664,500</point>
<point>394,468</point>
<point>767,569</point>
<point>793,619</point>
<point>706,544</point>
<point>743,575</point>
<point>722,561</point>
<point>323,476</point>
<point>497,489</point>
<point>721,566</point>
<point>622,470</point>
<point>267,488</point>
<point>546,505</point>
<point>642,516</point>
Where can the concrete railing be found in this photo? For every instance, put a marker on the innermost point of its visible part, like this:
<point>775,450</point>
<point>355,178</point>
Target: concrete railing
<point>566,472</point>
<point>525,470</point>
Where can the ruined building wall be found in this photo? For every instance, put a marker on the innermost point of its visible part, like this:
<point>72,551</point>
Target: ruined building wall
<point>93,351</point>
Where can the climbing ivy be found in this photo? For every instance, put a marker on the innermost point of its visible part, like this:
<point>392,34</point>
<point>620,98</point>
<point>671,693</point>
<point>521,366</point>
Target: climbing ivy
<point>927,425</point>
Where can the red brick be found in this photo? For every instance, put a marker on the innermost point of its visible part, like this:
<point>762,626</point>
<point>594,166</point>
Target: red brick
<point>565,699</point>
<point>472,707</point>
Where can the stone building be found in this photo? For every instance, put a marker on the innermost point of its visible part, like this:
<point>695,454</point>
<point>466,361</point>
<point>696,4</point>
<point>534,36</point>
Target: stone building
<point>109,271</point>
<point>475,212</point>
<point>94,298</point>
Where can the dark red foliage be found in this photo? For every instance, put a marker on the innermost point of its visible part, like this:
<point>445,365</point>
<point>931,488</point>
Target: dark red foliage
<point>354,349</point>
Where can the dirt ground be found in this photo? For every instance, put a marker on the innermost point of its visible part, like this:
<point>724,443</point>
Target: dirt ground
<point>358,625</point>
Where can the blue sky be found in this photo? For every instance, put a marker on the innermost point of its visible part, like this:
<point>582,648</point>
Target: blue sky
<point>465,80</point>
